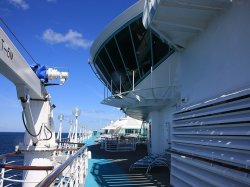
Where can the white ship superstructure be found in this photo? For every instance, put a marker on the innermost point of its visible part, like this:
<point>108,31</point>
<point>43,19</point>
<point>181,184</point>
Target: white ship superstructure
<point>183,67</point>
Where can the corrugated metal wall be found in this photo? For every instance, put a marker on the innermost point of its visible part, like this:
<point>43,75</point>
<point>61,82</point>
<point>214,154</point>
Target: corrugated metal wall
<point>211,142</point>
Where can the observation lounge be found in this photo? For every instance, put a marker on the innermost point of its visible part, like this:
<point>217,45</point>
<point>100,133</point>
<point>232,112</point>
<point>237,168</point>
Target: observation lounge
<point>123,55</point>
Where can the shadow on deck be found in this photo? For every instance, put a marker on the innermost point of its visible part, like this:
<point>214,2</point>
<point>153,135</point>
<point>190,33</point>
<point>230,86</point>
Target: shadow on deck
<point>111,169</point>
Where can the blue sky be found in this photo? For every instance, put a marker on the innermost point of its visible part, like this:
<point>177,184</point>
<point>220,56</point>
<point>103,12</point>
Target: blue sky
<point>58,33</point>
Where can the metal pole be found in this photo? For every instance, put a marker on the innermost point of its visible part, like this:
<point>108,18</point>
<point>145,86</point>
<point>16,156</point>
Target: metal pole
<point>151,77</point>
<point>120,84</point>
<point>76,129</point>
<point>107,91</point>
<point>133,80</point>
<point>111,87</point>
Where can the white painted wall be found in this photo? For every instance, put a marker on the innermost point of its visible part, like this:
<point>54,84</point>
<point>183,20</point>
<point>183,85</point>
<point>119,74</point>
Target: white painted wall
<point>166,121</point>
<point>217,61</point>
<point>161,122</point>
<point>164,75</point>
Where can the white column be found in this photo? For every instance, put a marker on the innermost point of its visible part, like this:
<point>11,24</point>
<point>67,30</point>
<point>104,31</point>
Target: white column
<point>76,126</point>
<point>155,132</point>
<point>70,130</point>
<point>59,133</point>
<point>39,154</point>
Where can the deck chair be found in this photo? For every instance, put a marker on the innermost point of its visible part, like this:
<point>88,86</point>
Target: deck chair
<point>162,161</point>
<point>143,163</point>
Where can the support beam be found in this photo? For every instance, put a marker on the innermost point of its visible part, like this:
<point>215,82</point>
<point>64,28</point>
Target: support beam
<point>151,48</point>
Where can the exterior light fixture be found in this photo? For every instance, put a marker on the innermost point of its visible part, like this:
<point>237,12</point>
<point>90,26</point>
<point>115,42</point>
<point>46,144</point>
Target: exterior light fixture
<point>76,112</point>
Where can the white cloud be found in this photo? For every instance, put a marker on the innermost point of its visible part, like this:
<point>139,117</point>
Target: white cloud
<point>71,39</point>
<point>20,3</point>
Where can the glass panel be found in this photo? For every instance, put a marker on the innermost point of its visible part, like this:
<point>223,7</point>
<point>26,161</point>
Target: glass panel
<point>142,45</point>
<point>106,62</point>
<point>118,63</point>
<point>110,69</point>
<point>160,49</point>
<point>118,59</point>
<point>125,45</point>
<point>104,71</point>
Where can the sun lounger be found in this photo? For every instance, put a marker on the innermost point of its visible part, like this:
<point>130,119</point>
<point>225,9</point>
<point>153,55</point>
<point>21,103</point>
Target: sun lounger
<point>144,162</point>
<point>163,161</point>
<point>150,161</point>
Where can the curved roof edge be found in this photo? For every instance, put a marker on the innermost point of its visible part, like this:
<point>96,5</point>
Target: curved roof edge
<point>116,24</point>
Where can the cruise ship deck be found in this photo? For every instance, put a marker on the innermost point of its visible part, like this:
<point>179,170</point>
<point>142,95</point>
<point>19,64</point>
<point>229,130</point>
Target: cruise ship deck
<point>182,67</point>
<point>112,169</point>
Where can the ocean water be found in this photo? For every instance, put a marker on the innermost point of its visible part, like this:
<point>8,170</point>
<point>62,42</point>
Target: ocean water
<point>8,141</point>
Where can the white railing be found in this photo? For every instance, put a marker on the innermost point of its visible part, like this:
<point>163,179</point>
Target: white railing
<point>117,145</point>
<point>10,174</point>
<point>71,173</point>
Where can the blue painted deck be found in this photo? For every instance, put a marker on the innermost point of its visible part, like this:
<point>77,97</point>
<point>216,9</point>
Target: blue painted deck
<point>99,168</point>
<point>107,169</point>
<point>90,141</point>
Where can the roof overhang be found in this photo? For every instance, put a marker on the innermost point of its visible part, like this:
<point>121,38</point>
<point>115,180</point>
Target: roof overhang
<point>178,21</point>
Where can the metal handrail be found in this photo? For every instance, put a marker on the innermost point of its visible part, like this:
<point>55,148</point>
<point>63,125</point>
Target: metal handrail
<point>8,166</point>
<point>54,174</point>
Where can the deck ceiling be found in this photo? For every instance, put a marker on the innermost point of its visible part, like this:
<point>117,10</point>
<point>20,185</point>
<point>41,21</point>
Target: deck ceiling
<point>178,21</point>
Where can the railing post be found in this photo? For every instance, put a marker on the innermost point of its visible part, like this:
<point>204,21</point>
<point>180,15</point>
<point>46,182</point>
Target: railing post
<point>71,175</point>
<point>74,164</point>
<point>60,178</point>
<point>86,157</point>
<point>2,173</point>
<point>82,167</point>
<point>76,172</point>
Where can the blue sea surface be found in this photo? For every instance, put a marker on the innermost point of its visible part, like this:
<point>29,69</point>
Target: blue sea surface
<point>8,141</point>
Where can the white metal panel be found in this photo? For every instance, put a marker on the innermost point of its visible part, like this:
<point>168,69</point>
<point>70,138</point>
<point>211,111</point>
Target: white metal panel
<point>210,142</point>
<point>15,68</point>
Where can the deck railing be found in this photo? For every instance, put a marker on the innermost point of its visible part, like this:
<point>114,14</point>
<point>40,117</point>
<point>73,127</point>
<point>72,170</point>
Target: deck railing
<point>10,173</point>
<point>116,145</point>
<point>72,172</point>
